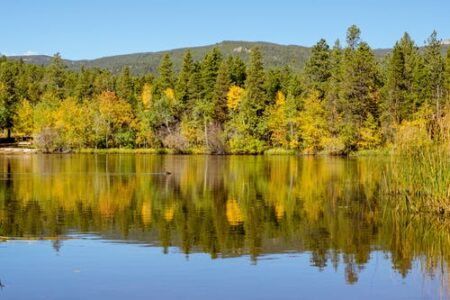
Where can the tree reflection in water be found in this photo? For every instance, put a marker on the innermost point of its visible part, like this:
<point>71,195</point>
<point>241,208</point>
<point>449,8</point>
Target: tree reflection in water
<point>333,208</point>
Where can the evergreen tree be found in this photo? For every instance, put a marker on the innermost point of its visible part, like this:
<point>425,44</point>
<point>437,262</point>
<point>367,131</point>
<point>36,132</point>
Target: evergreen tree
<point>203,110</point>
<point>254,84</point>
<point>334,86</point>
<point>35,78</point>
<point>182,87</point>
<point>194,86</point>
<point>210,69</point>
<point>317,68</point>
<point>221,87</point>
<point>56,76</point>
<point>166,75</point>
<point>237,71</point>
<point>84,88</point>
<point>353,37</point>
<point>434,72</point>
<point>125,87</point>
<point>8,95</point>
<point>360,82</point>
<point>358,89</point>
<point>399,88</point>
<point>103,82</point>
<point>255,100</point>
<point>272,84</point>
<point>447,75</point>
<point>22,80</point>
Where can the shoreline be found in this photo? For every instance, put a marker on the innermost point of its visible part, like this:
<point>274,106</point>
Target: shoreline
<point>165,151</point>
<point>12,150</point>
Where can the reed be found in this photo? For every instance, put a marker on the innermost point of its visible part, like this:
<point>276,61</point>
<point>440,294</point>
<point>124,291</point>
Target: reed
<point>420,179</point>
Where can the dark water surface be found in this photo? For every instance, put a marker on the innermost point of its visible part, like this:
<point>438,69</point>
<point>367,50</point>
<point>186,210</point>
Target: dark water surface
<point>216,227</point>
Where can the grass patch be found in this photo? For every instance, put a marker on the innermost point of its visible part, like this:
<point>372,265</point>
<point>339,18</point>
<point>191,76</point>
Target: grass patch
<point>371,152</point>
<point>280,151</point>
<point>420,180</point>
<point>124,151</point>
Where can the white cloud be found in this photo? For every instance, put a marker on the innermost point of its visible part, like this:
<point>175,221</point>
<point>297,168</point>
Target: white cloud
<point>26,53</point>
<point>29,52</point>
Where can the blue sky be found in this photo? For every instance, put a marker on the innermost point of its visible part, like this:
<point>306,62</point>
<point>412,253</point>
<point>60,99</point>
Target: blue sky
<point>94,28</point>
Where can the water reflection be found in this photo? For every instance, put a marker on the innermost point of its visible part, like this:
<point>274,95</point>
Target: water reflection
<point>332,208</point>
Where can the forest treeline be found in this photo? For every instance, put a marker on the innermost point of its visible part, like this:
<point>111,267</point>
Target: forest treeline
<point>343,100</point>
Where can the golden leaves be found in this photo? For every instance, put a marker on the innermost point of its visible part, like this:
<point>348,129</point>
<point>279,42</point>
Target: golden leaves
<point>169,213</point>
<point>233,212</point>
<point>280,99</point>
<point>23,119</point>
<point>234,96</point>
<point>146,212</point>
<point>170,94</point>
<point>147,95</point>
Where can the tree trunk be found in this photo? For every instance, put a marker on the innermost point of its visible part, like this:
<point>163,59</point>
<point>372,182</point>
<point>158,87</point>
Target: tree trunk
<point>206,133</point>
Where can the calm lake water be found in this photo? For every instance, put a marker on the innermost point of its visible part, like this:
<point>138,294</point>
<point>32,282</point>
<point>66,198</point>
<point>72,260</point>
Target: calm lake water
<point>216,227</point>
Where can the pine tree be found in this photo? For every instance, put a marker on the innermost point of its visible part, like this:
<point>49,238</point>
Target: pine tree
<point>254,84</point>
<point>359,88</point>
<point>353,37</point>
<point>210,69</point>
<point>434,72</point>
<point>56,76</point>
<point>166,75</point>
<point>237,71</point>
<point>203,90</point>
<point>84,88</point>
<point>400,100</point>
<point>35,78</point>
<point>8,95</point>
<point>194,86</point>
<point>182,87</point>
<point>125,87</point>
<point>221,87</point>
<point>447,75</point>
<point>334,86</point>
<point>255,100</point>
<point>317,68</point>
<point>360,82</point>
<point>272,84</point>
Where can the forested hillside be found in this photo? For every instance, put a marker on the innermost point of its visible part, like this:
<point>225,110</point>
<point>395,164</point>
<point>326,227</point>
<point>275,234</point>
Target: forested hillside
<point>343,99</point>
<point>274,55</point>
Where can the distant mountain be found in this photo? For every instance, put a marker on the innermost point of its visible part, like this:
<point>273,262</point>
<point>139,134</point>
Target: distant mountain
<point>140,63</point>
<point>274,55</point>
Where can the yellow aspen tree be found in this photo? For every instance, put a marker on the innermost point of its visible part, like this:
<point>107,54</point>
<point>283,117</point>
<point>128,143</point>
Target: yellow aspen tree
<point>277,121</point>
<point>23,120</point>
<point>70,121</point>
<point>114,114</point>
<point>147,95</point>
<point>369,135</point>
<point>313,124</point>
<point>234,96</point>
<point>233,212</point>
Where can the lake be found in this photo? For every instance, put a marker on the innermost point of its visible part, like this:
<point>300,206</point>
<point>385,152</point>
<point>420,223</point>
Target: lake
<point>212,227</point>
